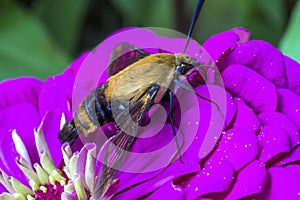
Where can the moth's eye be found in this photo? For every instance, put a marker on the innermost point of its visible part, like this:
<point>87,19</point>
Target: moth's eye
<point>183,68</point>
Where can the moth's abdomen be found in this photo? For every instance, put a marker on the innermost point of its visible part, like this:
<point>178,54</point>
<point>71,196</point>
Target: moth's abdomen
<point>93,111</point>
<point>85,117</point>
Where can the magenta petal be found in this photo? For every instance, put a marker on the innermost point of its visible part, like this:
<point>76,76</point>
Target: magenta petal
<point>201,121</point>
<point>238,146</point>
<point>243,34</point>
<point>152,181</point>
<point>76,64</point>
<point>283,122</point>
<point>19,90</point>
<point>292,157</point>
<point>56,94</point>
<point>251,180</point>
<point>51,127</point>
<point>257,92</point>
<point>153,156</point>
<point>294,168</point>
<point>24,118</point>
<point>289,104</point>
<point>139,191</point>
<point>284,184</point>
<point>221,97</point>
<point>153,139</point>
<point>273,141</point>
<point>8,156</point>
<point>244,112</point>
<point>293,74</point>
<point>86,81</point>
<point>207,135</point>
<point>190,122</point>
<point>259,56</point>
<point>2,189</point>
<point>167,191</point>
<point>218,43</point>
<point>215,177</point>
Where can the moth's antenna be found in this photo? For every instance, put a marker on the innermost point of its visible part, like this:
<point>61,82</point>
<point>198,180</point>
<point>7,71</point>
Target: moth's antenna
<point>195,17</point>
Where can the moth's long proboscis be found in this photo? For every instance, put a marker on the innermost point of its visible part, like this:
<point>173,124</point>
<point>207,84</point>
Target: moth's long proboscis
<point>195,17</point>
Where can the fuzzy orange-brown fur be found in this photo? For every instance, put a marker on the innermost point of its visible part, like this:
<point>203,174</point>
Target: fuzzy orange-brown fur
<point>132,82</point>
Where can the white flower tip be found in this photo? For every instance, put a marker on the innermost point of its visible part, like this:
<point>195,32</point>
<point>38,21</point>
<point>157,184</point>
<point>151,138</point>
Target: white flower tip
<point>62,121</point>
<point>20,146</point>
<point>42,121</point>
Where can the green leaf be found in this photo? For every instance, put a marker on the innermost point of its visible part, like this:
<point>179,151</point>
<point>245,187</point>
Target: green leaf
<point>265,20</point>
<point>290,43</point>
<point>26,48</point>
<point>64,19</point>
<point>142,13</point>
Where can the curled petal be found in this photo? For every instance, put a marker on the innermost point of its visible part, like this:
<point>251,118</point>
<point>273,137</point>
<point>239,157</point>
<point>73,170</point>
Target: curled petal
<point>292,157</point>
<point>24,118</point>
<point>167,191</point>
<point>90,168</point>
<point>143,183</point>
<point>21,90</point>
<point>250,54</point>
<point>289,104</point>
<point>244,34</point>
<point>273,142</point>
<point>257,92</point>
<point>293,74</point>
<point>294,168</point>
<point>251,180</point>
<point>281,121</point>
<point>215,177</point>
<point>213,121</point>
<point>219,43</point>
<point>149,144</point>
<point>222,99</point>
<point>244,112</point>
<point>76,64</point>
<point>283,184</point>
<point>207,135</point>
<point>50,128</point>
<point>56,94</point>
<point>8,155</point>
<point>81,163</point>
<point>238,146</point>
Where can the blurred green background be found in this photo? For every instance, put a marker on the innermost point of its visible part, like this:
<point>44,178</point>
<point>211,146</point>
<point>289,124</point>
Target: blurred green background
<point>41,37</point>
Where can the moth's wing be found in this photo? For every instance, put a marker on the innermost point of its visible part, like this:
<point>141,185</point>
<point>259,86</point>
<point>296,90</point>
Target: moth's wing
<point>123,140</point>
<point>124,55</point>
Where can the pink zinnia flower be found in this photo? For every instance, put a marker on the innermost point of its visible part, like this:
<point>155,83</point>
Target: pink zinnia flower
<point>251,151</point>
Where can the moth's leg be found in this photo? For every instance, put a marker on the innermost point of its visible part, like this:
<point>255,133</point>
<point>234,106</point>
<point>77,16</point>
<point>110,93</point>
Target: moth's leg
<point>189,88</point>
<point>172,123</point>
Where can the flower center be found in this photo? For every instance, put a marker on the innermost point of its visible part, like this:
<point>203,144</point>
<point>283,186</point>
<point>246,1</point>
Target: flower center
<point>49,192</point>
